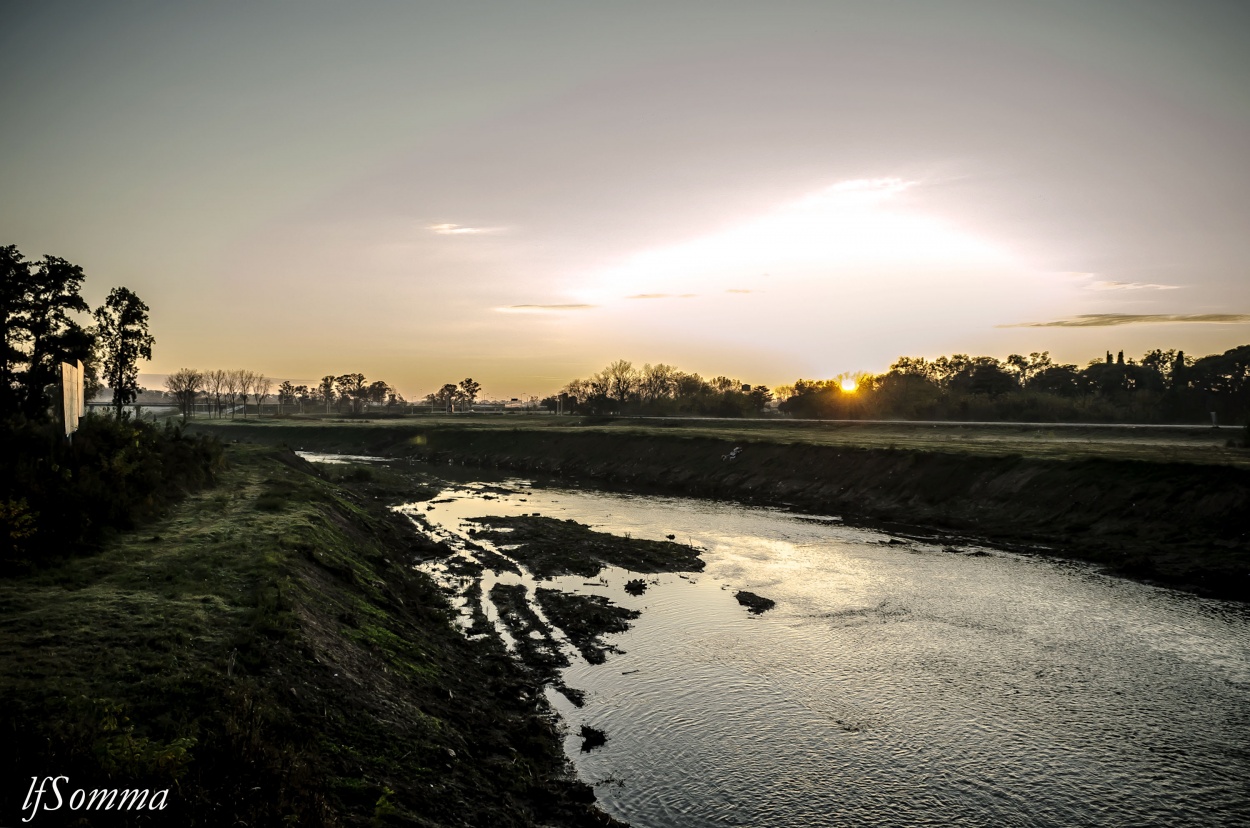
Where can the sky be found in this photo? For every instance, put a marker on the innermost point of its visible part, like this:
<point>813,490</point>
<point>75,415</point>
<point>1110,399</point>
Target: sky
<point>523,192</point>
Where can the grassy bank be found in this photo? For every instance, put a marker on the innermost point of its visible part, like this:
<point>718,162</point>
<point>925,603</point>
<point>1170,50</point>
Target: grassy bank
<point>1164,505</point>
<point>266,652</point>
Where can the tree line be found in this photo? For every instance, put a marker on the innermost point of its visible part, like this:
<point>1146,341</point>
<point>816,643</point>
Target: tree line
<point>659,389</point>
<point>226,392</point>
<point>1161,386</point>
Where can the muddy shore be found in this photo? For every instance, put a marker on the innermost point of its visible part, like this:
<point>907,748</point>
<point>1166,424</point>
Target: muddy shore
<point>268,652</point>
<point>1179,524</point>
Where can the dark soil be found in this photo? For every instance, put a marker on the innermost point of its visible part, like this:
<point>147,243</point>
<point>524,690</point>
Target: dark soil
<point>550,547</point>
<point>592,738</point>
<point>534,642</point>
<point>584,618</point>
<point>755,603</point>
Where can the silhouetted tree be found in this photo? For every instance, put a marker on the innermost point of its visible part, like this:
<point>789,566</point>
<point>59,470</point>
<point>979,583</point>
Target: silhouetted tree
<point>286,395</point>
<point>261,386</point>
<point>351,388</point>
<point>37,300</point>
<point>327,391</point>
<point>122,336</point>
<point>468,390</point>
<point>447,396</point>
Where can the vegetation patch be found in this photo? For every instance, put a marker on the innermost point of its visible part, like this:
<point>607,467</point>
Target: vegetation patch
<point>585,619</point>
<point>550,547</point>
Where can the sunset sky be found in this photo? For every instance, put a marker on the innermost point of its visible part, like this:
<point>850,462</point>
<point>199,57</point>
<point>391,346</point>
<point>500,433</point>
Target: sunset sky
<point>522,192</point>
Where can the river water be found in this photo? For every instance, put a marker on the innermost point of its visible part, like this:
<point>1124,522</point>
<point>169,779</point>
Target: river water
<point>894,683</point>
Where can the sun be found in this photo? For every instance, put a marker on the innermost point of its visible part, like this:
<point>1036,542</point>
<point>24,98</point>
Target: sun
<point>849,385</point>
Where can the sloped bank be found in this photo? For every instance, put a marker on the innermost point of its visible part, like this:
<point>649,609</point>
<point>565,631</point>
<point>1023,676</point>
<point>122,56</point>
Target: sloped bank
<point>1174,523</point>
<point>267,654</point>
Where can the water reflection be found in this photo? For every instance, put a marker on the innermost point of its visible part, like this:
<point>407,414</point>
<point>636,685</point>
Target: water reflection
<point>893,684</point>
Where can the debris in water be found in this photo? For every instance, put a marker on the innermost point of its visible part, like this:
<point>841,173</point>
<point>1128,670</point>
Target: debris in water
<point>754,603</point>
<point>592,738</point>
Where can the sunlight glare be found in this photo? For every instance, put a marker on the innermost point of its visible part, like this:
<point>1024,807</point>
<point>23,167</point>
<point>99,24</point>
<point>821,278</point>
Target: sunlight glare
<point>851,224</point>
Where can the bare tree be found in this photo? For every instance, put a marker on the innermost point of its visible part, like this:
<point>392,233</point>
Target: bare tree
<point>183,385</point>
<point>215,384</point>
<point>233,382</point>
<point>247,381</point>
<point>261,386</point>
<point>657,382</point>
<point>621,380</point>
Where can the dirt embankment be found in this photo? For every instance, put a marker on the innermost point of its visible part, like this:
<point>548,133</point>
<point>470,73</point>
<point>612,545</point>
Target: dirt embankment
<point>1175,523</point>
<point>268,653</point>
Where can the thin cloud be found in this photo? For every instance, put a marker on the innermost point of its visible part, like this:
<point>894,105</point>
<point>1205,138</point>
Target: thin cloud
<point>1103,320</point>
<point>662,296</point>
<point>738,290</point>
<point>457,230</point>
<point>544,308</point>
<point>1130,286</point>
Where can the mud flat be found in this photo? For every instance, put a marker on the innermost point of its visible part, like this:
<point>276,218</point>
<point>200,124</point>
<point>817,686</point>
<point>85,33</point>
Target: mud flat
<point>1145,504</point>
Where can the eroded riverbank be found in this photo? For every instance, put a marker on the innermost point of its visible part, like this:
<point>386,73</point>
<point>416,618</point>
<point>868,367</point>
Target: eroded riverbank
<point>1169,522</point>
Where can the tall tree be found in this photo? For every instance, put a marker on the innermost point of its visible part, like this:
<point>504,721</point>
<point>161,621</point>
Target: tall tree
<point>37,300</point>
<point>123,339</point>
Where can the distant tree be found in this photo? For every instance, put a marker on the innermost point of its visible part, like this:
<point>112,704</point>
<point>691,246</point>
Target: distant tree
<point>351,389</point>
<point>1060,380</point>
<point>286,395</point>
<point>247,380</point>
<point>983,375</point>
<point>620,381</point>
<point>261,386</point>
<point>377,392</point>
<point>447,396</point>
<point>327,391</point>
<point>214,385</point>
<point>183,385</point>
<point>236,386</point>
<point>657,382</point>
<point>469,389</point>
<point>122,336</point>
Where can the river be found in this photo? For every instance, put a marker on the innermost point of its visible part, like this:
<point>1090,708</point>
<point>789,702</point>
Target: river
<point>896,682</point>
